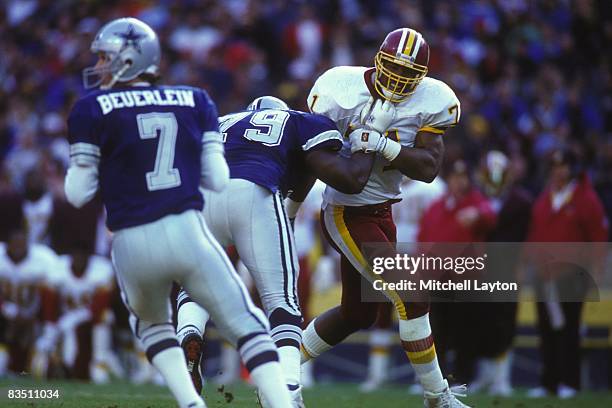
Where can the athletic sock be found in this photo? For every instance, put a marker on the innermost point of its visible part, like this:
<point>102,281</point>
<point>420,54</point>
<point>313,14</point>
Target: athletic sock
<point>501,369</point>
<point>312,344</point>
<point>163,351</point>
<point>378,364</point>
<point>191,317</point>
<point>287,336</point>
<point>171,364</point>
<point>418,344</point>
<point>259,356</point>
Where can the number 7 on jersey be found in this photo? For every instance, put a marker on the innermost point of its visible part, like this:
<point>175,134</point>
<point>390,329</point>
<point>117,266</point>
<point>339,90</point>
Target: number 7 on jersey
<point>163,176</point>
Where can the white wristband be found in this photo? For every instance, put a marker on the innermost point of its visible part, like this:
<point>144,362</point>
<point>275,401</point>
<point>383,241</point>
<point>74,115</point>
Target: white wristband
<point>390,149</point>
<point>292,207</point>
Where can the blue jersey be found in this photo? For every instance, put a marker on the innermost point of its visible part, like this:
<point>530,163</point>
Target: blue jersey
<point>267,146</point>
<point>148,143</point>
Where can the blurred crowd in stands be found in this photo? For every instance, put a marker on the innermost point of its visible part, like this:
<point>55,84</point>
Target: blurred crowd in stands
<point>532,77</point>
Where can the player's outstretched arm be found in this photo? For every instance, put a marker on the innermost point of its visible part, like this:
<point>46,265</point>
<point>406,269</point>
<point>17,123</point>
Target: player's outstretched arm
<point>421,162</point>
<point>348,175</point>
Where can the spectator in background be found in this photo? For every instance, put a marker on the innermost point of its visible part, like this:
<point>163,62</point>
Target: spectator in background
<point>37,205</point>
<point>71,227</point>
<point>568,210</point>
<point>496,326</point>
<point>462,214</point>
<point>11,207</point>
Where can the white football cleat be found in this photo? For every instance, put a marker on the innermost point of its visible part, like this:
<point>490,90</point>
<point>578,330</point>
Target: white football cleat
<point>446,398</point>
<point>296,399</point>
<point>538,392</point>
<point>566,392</point>
<point>370,385</point>
<point>500,389</point>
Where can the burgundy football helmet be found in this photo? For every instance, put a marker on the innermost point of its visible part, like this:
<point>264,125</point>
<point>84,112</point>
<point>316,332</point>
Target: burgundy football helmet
<point>401,64</point>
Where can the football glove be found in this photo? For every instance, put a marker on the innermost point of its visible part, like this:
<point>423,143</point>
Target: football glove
<point>379,117</point>
<point>371,141</point>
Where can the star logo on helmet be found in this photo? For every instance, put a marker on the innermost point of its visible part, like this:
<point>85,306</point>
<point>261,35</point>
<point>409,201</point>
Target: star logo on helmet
<point>131,39</point>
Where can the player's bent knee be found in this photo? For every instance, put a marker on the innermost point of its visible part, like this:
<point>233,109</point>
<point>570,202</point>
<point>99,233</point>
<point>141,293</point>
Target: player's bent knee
<point>273,301</point>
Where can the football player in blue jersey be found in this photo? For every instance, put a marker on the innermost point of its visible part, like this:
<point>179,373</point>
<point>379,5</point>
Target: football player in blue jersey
<point>271,150</point>
<point>148,148</point>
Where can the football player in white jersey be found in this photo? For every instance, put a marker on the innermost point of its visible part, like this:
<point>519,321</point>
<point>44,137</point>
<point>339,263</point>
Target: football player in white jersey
<point>407,114</point>
<point>23,271</point>
<point>83,284</point>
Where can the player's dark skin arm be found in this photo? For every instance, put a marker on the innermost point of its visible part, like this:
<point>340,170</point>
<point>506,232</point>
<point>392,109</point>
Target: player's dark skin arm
<point>348,175</point>
<point>421,162</point>
<point>302,187</point>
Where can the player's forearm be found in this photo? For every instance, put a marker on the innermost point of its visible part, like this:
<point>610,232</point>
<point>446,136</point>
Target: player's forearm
<point>418,163</point>
<point>81,184</point>
<point>347,175</point>
<point>300,190</point>
<point>421,162</point>
<point>215,172</point>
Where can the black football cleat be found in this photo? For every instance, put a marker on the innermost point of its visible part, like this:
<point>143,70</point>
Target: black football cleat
<point>192,347</point>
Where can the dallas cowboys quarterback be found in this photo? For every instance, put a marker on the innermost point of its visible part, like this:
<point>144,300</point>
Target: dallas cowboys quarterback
<point>148,148</point>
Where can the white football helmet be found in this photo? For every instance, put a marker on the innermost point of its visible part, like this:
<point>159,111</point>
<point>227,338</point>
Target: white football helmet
<point>131,48</point>
<point>267,102</point>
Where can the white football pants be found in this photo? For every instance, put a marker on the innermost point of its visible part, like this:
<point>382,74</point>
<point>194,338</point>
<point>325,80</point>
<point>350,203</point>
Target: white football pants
<point>253,219</point>
<point>179,247</point>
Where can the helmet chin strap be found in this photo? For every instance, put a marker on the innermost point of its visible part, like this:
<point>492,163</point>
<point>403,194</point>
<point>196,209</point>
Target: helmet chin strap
<point>116,76</point>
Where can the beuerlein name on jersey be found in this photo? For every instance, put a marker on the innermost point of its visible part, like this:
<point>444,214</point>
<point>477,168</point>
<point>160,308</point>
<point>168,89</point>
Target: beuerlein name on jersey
<point>136,98</point>
<point>449,285</point>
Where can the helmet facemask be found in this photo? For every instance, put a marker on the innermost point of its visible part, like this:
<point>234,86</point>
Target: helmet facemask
<point>105,74</point>
<point>396,79</point>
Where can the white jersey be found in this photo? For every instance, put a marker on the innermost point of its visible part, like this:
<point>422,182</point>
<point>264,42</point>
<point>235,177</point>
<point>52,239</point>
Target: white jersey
<point>77,292</point>
<point>37,215</point>
<point>342,92</point>
<point>21,282</point>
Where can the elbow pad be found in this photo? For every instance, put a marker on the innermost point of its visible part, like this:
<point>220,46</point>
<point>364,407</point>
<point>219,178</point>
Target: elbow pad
<point>215,173</point>
<point>81,184</point>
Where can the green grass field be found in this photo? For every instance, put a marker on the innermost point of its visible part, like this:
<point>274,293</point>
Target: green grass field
<point>120,395</point>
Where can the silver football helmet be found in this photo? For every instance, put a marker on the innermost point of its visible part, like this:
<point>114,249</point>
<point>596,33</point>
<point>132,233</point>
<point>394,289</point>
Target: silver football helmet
<point>267,102</point>
<point>131,48</point>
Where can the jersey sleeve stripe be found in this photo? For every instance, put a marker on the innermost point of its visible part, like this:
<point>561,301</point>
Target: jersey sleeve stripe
<point>84,159</point>
<point>432,130</point>
<point>84,148</point>
<point>84,154</point>
<point>322,137</point>
<point>211,137</point>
